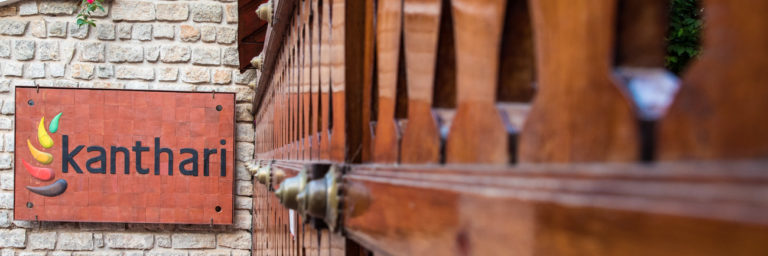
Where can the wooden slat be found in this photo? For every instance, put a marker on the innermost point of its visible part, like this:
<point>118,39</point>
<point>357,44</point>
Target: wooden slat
<point>305,92</point>
<point>315,83</point>
<point>719,110</point>
<point>325,80</point>
<point>477,133</point>
<point>388,31</point>
<point>285,110</point>
<point>338,74</point>
<point>421,139</point>
<point>619,209</point>
<point>358,53</point>
<point>279,106</point>
<point>579,114</point>
<point>293,97</point>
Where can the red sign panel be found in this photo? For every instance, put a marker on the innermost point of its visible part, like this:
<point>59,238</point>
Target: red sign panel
<point>124,156</point>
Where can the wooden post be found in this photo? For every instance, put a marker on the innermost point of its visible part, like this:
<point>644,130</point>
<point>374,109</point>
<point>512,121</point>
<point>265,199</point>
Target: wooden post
<point>421,140</point>
<point>579,113</point>
<point>719,112</point>
<point>477,133</point>
<point>388,24</point>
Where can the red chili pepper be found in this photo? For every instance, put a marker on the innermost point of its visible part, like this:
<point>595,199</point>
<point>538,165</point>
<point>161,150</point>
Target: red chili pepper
<point>40,173</point>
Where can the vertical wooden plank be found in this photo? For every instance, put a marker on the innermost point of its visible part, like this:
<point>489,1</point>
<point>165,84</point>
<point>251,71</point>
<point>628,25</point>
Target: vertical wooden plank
<point>338,137</point>
<point>315,83</point>
<point>271,218</point>
<point>579,114</point>
<point>279,128</point>
<point>388,25</point>
<point>305,79</point>
<point>295,88</point>
<point>291,102</point>
<point>359,52</point>
<point>300,82</point>
<point>286,103</point>
<point>325,80</point>
<point>477,133</point>
<point>719,112</point>
<point>421,140</point>
<point>279,106</point>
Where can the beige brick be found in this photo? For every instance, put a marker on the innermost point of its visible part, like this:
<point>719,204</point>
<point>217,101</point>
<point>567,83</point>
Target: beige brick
<point>42,240</point>
<point>167,74</point>
<point>133,11</point>
<point>206,12</point>
<point>13,238</point>
<point>75,241</point>
<point>174,53</point>
<point>12,27</point>
<point>222,76</point>
<point>82,71</point>
<point>236,240</point>
<point>206,55</point>
<point>129,240</point>
<point>230,13</point>
<point>208,33</point>
<point>226,35</point>
<point>195,75</point>
<point>193,241</point>
<point>172,11</point>
<point>189,33</point>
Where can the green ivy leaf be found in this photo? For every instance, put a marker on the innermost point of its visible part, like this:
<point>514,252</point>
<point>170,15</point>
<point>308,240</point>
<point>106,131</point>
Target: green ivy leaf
<point>683,34</point>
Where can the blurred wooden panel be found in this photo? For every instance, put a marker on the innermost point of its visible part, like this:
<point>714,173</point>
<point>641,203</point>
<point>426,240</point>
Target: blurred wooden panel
<point>338,74</point>
<point>305,91</point>
<point>421,140</point>
<point>296,98</point>
<point>325,80</point>
<point>358,55</point>
<point>388,32</point>
<point>579,114</point>
<point>477,132</point>
<point>720,108</point>
<point>314,120</point>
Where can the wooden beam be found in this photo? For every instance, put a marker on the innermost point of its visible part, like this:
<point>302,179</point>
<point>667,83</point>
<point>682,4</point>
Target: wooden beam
<point>613,209</point>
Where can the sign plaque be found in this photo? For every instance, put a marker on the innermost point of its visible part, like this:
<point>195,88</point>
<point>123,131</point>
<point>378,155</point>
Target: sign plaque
<point>91,155</point>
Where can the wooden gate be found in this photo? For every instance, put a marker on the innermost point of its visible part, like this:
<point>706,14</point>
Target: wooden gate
<point>509,127</point>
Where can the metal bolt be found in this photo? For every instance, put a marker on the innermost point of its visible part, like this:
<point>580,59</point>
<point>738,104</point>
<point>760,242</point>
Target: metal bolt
<point>290,188</point>
<point>319,198</point>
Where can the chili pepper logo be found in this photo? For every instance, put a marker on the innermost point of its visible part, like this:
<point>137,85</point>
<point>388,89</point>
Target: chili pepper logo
<point>45,158</point>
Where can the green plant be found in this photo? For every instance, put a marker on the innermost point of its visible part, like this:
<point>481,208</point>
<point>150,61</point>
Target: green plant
<point>684,34</point>
<point>84,17</point>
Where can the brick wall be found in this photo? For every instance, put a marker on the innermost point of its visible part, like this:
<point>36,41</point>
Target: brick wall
<point>142,45</point>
